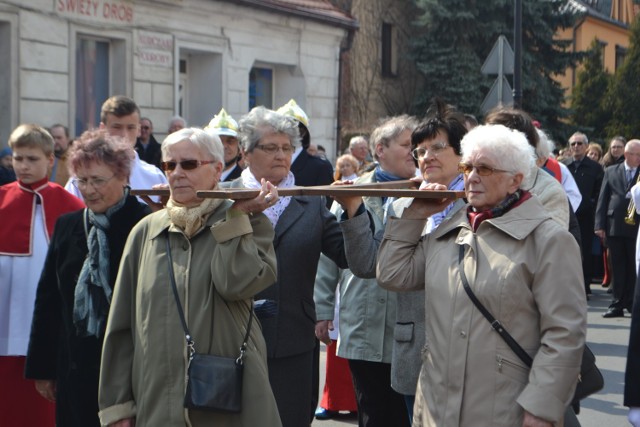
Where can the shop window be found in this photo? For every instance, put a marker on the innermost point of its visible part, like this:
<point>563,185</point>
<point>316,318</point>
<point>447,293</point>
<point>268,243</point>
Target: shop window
<point>261,87</point>
<point>92,82</point>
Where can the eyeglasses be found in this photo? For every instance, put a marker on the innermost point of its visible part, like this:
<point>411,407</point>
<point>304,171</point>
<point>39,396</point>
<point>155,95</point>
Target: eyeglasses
<point>435,149</point>
<point>272,149</point>
<point>185,164</point>
<point>576,143</point>
<point>481,170</point>
<point>96,183</point>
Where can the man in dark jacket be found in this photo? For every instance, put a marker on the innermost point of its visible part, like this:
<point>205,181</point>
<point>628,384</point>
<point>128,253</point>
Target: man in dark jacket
<point>588,175</point>
<point>611,213</point>
<point>146,145</point>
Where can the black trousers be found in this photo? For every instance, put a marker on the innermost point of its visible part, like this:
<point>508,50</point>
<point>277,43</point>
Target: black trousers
<point>623,264</point>
<point>586,222</point>
<point>378,404</point>
<point>291,381</point>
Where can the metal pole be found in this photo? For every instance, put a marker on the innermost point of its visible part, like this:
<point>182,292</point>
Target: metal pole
<point>517,55</point>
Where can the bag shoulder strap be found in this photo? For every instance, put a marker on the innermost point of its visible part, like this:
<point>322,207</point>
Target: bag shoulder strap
<point>187,334</point>
<point>495,324</point>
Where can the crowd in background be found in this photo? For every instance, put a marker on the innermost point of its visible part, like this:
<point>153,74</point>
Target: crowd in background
<point>93,280</point>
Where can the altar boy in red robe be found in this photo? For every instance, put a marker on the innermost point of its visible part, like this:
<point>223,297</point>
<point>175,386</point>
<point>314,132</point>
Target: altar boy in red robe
<point>29,208</point>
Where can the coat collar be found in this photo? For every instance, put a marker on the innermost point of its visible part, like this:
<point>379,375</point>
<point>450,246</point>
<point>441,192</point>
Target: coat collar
<point>160,220</point>
<point>517,223</point>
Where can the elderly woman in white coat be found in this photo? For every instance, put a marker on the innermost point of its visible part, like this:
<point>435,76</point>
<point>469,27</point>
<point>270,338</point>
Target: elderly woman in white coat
<point>509,249</point>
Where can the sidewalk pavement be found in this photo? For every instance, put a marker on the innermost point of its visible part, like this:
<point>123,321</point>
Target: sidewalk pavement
<point>607,338</point>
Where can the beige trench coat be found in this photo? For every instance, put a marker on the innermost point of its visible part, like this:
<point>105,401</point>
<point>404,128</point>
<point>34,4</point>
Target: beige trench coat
<point>144,359</point>
<point>526,271</point>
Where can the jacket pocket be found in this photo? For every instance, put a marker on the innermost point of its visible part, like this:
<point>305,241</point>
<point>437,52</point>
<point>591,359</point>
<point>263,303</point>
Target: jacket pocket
<point>511,369</point>
<point>403,332</point>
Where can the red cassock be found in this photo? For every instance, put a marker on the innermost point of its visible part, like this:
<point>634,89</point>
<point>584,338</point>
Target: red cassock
<point>20,403</point>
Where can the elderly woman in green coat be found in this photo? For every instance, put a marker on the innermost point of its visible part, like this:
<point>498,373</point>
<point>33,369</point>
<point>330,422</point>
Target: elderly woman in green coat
<point>222,256</point>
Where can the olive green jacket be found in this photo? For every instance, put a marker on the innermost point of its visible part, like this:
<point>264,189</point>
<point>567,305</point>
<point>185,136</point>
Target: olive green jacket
<point>217,272</point>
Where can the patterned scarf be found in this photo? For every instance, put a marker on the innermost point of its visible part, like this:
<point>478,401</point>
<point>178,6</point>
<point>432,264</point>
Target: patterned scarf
<point>273,212</point>
<point>92,295</point>
<point>510,202</point>
<point>191,219</point>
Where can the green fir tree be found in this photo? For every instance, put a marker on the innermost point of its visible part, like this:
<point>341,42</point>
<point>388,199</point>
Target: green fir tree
<point>454,37</point>
<point>623,98</point>
<point>588,97</point>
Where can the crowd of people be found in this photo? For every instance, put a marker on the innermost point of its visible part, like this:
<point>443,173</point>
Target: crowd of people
<point>105,297</point>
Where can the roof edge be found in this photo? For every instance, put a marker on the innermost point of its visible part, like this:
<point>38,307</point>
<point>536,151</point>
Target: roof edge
<point>346,22</point>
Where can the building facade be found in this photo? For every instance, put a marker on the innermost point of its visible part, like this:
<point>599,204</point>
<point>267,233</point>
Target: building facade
<point>379,79</point>
<point>604,20</point>
<point>63,58</point>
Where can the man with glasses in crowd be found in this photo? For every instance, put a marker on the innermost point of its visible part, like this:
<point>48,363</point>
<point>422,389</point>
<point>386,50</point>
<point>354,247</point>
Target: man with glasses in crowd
<point>588,175</point>
<point>120,116</point>
<point>146,145</point>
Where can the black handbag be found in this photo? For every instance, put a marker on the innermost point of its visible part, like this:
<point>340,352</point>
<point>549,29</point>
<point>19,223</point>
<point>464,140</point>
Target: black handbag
<point>590,379</point>
<point>214,383</point>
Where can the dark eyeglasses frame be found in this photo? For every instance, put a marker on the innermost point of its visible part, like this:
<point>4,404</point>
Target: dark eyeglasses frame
<point>482,170</point>
<point>576,143</point>
<point>185,164</point>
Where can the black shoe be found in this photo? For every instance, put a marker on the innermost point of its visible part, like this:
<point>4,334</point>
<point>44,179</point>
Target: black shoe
<point>325,414</point>
<point>613,312</point>
<point>610,290</point>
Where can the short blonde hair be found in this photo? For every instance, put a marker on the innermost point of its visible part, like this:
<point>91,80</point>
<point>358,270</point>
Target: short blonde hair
<point>32,136</point>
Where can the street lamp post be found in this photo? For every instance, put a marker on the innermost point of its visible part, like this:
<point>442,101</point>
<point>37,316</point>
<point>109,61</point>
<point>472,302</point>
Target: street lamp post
<point>517,50</point>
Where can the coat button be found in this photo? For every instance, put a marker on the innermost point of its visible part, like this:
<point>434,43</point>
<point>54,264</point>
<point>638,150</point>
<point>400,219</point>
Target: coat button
<point>185,247</point>
<point>463,334</point>
<point>381,300</point>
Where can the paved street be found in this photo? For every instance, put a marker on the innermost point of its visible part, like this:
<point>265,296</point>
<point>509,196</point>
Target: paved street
<point>608,340</point>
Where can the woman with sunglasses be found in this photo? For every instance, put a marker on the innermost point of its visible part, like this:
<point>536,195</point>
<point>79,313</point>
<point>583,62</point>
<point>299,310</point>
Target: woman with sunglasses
<point>506,248</point>
<point>75,288</point>
<point>219,254</point>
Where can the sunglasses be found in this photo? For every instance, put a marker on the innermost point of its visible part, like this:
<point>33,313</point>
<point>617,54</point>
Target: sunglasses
<point>576,143</point>
<point>186,165</point>
<point>482,170</point>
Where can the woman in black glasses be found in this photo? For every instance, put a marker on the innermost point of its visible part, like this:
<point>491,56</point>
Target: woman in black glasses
<point>221,255</point>
<point>77,281</point>
<point>507,249</point>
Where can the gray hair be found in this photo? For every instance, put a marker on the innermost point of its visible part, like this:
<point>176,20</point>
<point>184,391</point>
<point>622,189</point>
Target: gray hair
<point>508,148</point>
<point>545,145</point>
<point>260,121</point>
<point>580,134</point>
<point>389,129</point>
<point>178,119</point>
<point>206,142</point>
<point>357,140</point>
